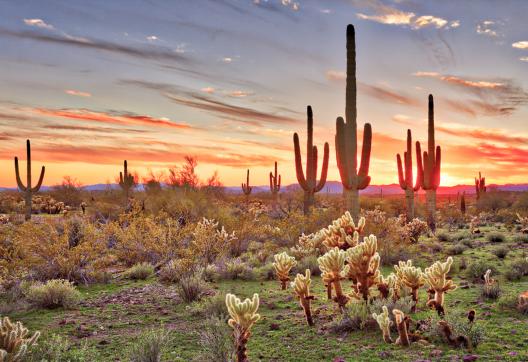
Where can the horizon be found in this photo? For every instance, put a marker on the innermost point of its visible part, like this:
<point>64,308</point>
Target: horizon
<point>158,82</point>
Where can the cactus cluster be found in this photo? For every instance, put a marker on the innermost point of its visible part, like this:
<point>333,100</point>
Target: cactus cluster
<point>14,340</point>
<point>411,277</point>
<point>406,178</point>
<point>27,189</point>
<point>301,286</point>
<point>309,182</point>
<point>343,232</point>
<point>436,278</point>
<point>352,178</point>
<point>243,316</point>
<point>282,265</point>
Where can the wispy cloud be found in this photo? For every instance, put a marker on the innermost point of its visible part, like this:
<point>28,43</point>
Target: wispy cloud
<point>120,118</point>
<point>489,28</point>
<point>482,134</point>
<point>39,23</point>
<point>335,75</point>
<point>388,95</point>
<point>521,44</point>
<point>73,92</point>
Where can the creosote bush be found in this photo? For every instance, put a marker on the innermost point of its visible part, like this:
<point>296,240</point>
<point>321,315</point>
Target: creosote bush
<point>56,348</point>
<point>501,252</point>
<point>496,237</point>
<point>54,293</point>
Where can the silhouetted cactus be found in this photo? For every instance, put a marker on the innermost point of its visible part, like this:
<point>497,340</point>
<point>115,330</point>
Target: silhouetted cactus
<point>245,186</point>
<point>480,185</point>
<point>275,184</point>
<point>352,179</point>
<point>463,203</point>
<point>28,190</point>
<point>309,182</point>
<point>431,168</point>
<point>406,178</point>
<point>126,180</point>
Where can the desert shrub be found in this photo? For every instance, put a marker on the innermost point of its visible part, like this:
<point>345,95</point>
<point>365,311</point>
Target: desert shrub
<point>150,346</point>
<point>404,304</point>
<point>216,341</point>
<point>522,202</point>
<point>355,317</point>
<point>191,288</point>
<point>467,242</point>
<point>496,237</point>
<point>456,249</point>
<point>507,301</point>
<point>462,235</point>
<point>237,269</point>
<point>56,348</point>
<point>53,294</point>
<point>443,236</point>
<point>176,269</point>
<point>210,273</point>
<point>501,252</point>
<point>521,239</point>
<point>308,262</point>
<point>516,269</point>
<point>492,291</point>
<point>452,217</point>
<point>436,247</point>
<point>140,271</point>
<point>477,268</point>
<point>493,201</point>
<point>209,242</point>
<point>266,272</point>
<point>211,307</point>
<point>475,332</point>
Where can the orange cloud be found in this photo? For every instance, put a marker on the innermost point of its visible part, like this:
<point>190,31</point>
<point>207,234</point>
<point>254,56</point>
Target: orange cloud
<point>483,134</point>
<point>77,93</point>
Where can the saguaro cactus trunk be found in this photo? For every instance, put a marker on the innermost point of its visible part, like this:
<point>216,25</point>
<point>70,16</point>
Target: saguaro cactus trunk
<point>480,185</point>
<point>246,189</point>
<point>352,179</point>
<point>126,181</point>
<point>28,190</point>
<point>431,168</point>
<point>275,184</point>
<point>406,178</point>
<point>309,182</point>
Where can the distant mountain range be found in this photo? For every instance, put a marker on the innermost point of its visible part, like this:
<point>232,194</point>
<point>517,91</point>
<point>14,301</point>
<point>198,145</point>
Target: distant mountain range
<point>331,187</point>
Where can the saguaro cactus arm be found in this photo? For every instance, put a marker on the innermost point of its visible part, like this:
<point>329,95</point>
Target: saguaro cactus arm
<point>275,181</point>
<point>245,186</point>
<point>28,162</point>
<point>405,177</point>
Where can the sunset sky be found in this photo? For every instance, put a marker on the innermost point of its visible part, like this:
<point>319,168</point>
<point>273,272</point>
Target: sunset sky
<point>228,81</point>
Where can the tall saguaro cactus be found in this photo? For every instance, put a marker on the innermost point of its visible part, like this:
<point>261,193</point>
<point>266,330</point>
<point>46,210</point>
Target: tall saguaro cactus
<point>480,185</point>
<point>406,178</point>
<point>309,182</point>
<point>27,189</point>
<point>245,186</point>
<point>275,184</point>
<point>352,179</point>
<point>431,168</point>
<point>126,180</point>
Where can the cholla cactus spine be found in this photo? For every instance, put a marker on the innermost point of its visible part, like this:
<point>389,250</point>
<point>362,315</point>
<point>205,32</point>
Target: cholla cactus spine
<point>14,341</point>
<point>301,286</point>
<point>412,277</point>
<point>363,261</point>
<point>401,325</point>
<point>333,268</point>
<point>27,189</point>
<point>435,276</point>
<point>283,264</point>
<point>309,182</point>
<point>245,186</point>
<point>243,316</point>
<point>384,323</point>
<point>406,178</point>
<point>352,179</point>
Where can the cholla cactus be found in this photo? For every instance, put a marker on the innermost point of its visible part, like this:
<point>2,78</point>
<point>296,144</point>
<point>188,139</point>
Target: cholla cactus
<point>243,316</point>
<point>389,287</point>
<point>363,261</point>
<point>311,244</point>
<point>435,276</point>
<point>384,323</point>
<point>283,264</point>
<point>343,232</point>
<point>401,325</point>
<point>412,277</point>
<point>524,223</point>
<point>301,286</point>
<point>209,242</point>
<point>333,269</point>
<point>14,341</point>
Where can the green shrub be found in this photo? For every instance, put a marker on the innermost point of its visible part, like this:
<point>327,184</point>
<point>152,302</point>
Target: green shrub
<point>237,269</point>
<point>521,239</point>
<point>266,272</point>
<point>53,294</point>
<point>516,269</point>
<point>191,288</point>
<point>308,262</point>
<point>476,269</point>
<point>150,346</point>
<point>355,317</point>
<point>174,270</point>
<point>56,348</point>
<point>501,252</point>
<point>211,307</point>
<point>140,271</point>
<point>443,236</point>
<point>456,249</point>
<point>467,242</point>
<point>216,342</point>
<point>496,237</point>
<point>404,304</point>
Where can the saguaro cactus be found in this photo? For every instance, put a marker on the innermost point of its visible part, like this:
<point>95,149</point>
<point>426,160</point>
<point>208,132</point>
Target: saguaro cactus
<point>480,185</point>
<point>245,186</point>
<point>431,168</point>
<point>352,179</point>
<point>28,190</point>
<point>126,180</point>
<point>275,184</point>
<point>243,316</point>
<point>406,179</point>
<point>463,203</point>
<point>309,183</point>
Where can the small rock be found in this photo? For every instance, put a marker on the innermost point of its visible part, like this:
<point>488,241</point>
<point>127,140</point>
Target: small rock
<point>339,359</point>
<point>470,358</point>
<point>384,354</point>
<point>435,353</point>
<point>274,327</point>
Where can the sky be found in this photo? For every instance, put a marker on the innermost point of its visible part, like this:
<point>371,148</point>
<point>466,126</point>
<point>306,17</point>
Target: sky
<point>228,82</point>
